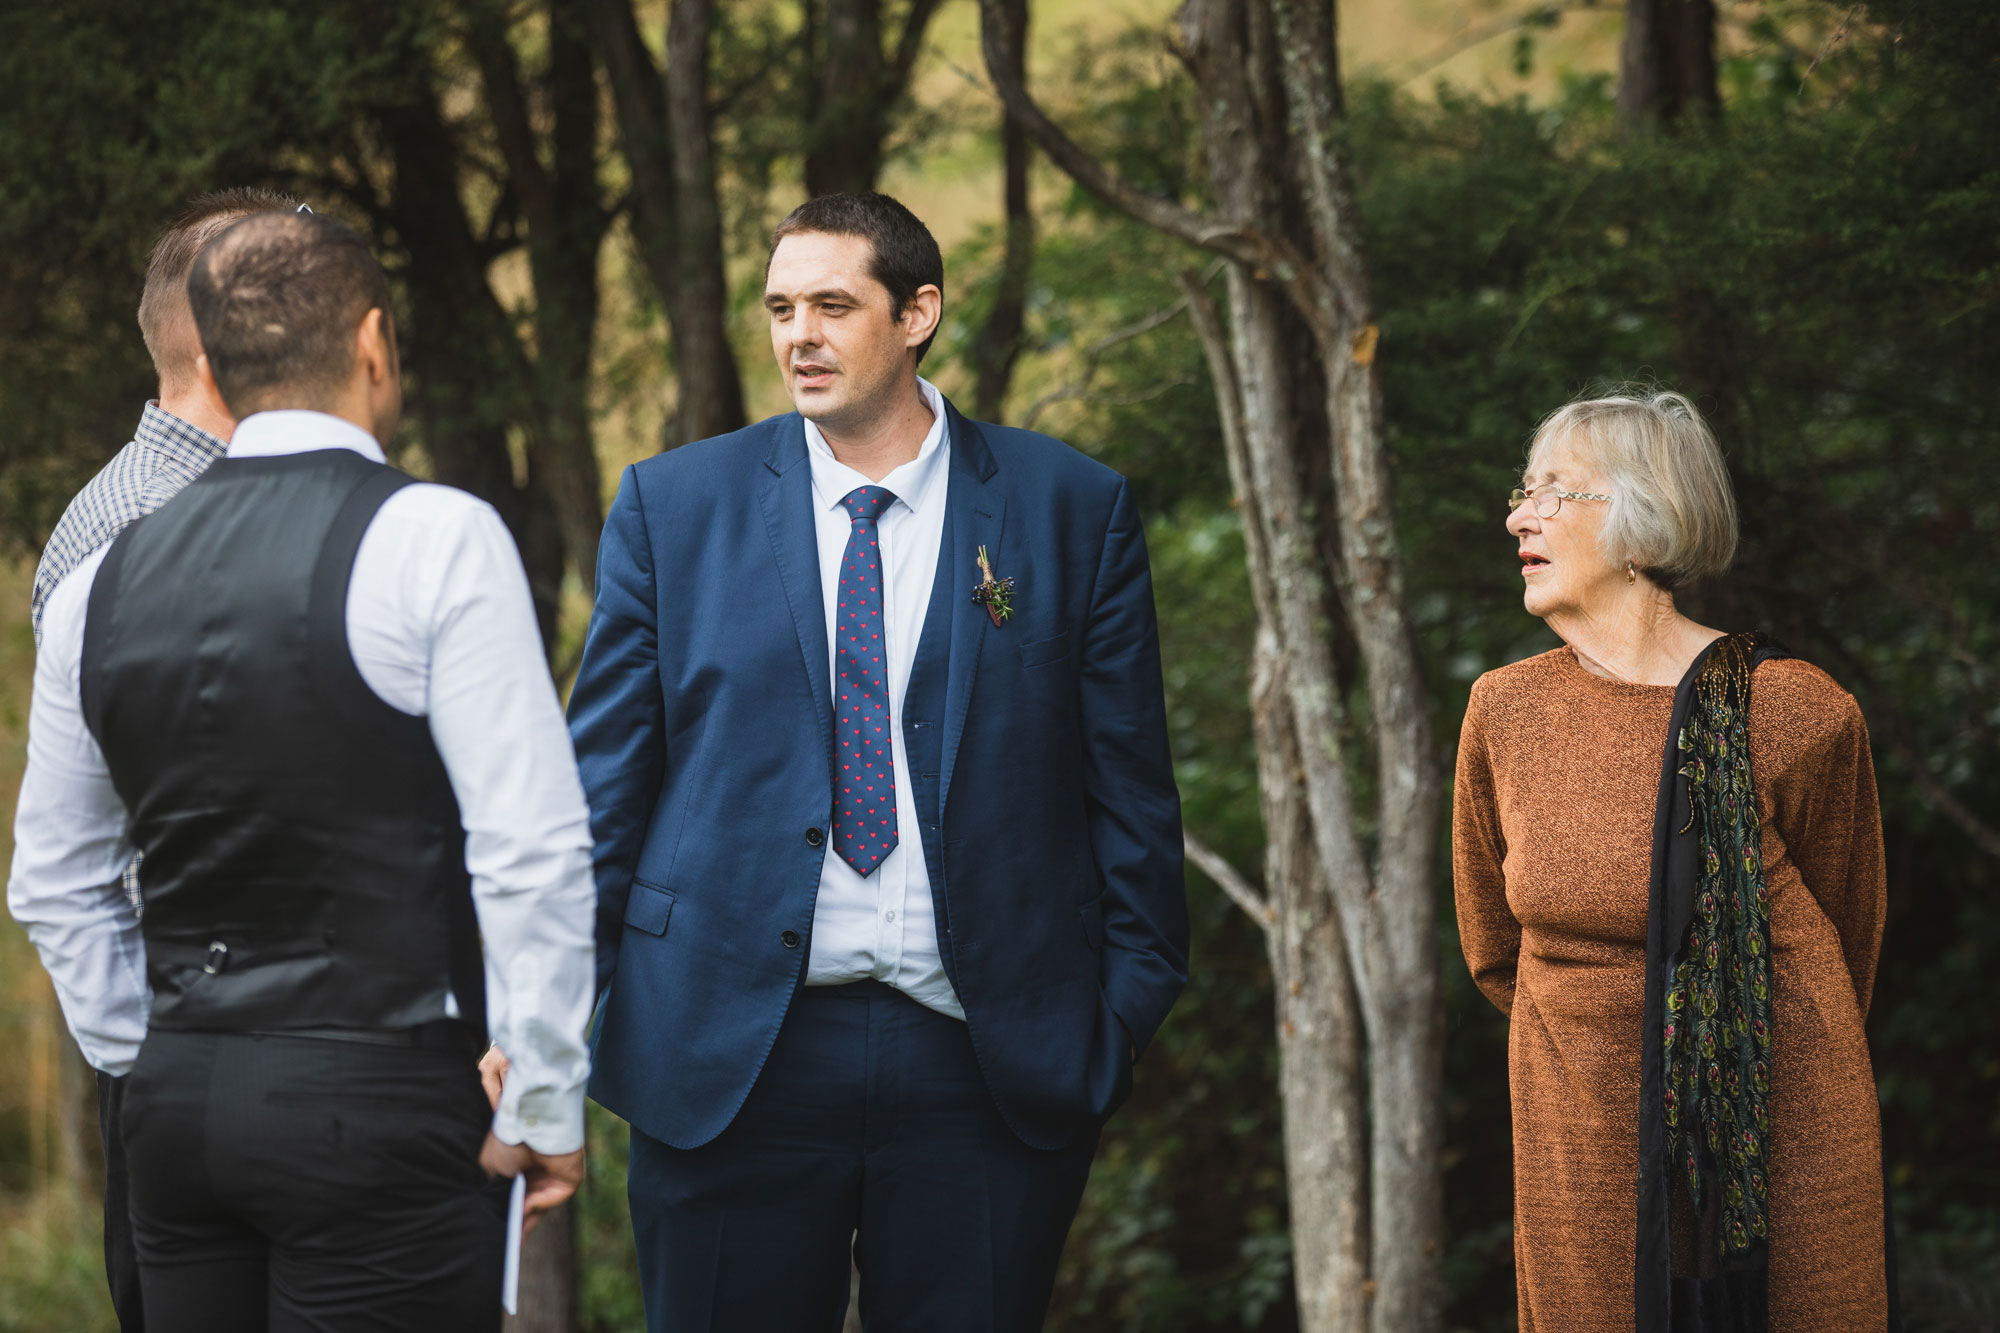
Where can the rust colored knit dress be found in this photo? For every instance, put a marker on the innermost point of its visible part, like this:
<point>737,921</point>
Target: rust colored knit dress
<point>1552,836</point>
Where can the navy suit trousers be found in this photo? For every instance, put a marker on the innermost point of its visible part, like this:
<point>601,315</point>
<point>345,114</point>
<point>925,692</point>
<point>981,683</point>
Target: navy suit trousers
<point>870,1127</point>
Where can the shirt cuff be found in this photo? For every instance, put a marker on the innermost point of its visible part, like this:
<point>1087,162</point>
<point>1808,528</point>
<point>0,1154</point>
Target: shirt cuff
<point>546,1119</point>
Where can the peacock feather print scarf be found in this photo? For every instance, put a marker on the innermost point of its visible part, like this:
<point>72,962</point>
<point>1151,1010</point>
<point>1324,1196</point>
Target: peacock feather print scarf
<point>1705,1079</point>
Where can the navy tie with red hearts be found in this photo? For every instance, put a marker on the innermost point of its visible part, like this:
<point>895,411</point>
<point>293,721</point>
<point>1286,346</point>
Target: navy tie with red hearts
<point>864,801</point>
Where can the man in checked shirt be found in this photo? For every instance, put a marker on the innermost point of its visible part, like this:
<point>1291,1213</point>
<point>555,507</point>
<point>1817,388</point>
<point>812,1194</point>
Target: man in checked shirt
<point>180,433</point>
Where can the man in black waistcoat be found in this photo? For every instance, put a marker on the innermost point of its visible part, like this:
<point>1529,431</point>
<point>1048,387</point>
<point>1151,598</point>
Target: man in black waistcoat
<point>310,691</point>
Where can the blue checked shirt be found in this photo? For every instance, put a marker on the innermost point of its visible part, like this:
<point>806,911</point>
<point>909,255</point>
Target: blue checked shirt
<point>165,455</point>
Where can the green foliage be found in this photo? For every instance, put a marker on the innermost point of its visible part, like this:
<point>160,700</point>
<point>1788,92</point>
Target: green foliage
<point>117,115</point>
<point>609,1299</point>
<point>1820,270</point>
<point>52,1269</point>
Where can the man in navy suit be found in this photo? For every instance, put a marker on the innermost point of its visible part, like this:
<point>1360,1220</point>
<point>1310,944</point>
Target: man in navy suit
<point>888,846</point>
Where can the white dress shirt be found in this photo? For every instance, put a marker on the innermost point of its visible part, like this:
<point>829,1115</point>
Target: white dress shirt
<point>440,624</point>
<point>884,926</point>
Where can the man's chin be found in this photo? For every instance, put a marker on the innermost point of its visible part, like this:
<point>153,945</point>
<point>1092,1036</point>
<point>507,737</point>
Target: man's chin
<point>817,405</point>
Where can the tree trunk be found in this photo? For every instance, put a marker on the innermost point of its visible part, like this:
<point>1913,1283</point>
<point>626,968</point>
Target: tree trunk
<point>999,344</point>
<point>1398,961</point>
<point>1666,66</point>
<point>562,256</point>
<point>548,1276</point>
<point>470,376</point>
<point>711,393</point>
<point>1320,1038</point>
<point>1350,926</point>
<point>1320,1072</point>
<point>676,220</point>
<point>855,86</point>
<point>848,119</point>
<point>566,226</point>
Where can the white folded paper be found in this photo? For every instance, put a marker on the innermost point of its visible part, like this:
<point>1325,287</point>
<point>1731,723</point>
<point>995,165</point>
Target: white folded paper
<point>510,1272</point>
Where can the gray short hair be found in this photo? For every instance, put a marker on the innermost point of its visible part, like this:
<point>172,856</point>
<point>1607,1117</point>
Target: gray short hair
<point>1672,511</point>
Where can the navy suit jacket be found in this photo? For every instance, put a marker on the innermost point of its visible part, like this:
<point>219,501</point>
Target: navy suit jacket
<point>703,723</point>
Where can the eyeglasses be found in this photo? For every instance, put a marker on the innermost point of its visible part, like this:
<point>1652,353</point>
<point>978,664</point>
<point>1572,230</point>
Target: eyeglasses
<point>1548,500</point>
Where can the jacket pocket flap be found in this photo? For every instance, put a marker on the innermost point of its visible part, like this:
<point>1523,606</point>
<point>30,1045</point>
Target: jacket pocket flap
<point>1045,651</point>
<point>1092,913</point>
<point>648,908</point>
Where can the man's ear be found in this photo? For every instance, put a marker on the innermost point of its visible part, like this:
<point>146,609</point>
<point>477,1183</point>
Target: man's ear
<point>374,346</point>
<point>204,378</point>
<point>921,315</point>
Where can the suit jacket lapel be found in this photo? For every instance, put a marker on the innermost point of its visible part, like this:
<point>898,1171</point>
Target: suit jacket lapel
<point>978,513</point>
<point>787,500</point>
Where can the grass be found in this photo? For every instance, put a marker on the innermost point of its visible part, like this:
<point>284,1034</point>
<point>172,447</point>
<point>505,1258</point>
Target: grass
<point>52,1267</point>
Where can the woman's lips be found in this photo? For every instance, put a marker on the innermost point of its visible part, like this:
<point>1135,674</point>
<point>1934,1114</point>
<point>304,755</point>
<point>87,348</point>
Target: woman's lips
<point>1530,563</point>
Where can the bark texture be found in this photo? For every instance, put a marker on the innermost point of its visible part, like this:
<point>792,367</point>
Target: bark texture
<point>664,127</point>
<point>856,83</point>
<point>566,224</point>
<point>1666,66</point>
<point>548,1277</point>
<point>499,409</point>
<point>1000,340</point>
<point>1345,749</point>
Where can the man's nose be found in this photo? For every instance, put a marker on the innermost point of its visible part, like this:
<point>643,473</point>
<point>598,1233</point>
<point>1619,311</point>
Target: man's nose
<point>806,328</point>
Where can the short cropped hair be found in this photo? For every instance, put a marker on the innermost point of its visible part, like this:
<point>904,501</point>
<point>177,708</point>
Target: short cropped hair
<point>906,255</point>
<point>277,298</point>
<point>1673,510</point>
<point>164,321</point>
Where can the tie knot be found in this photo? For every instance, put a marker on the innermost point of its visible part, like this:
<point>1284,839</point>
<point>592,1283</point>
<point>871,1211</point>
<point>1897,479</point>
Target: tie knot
<point>866,503</point>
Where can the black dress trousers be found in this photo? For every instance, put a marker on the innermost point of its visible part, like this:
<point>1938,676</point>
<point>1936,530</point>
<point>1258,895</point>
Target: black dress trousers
<point>869,1131</point>
<point>121,1260</point>
<point>286,1184</point>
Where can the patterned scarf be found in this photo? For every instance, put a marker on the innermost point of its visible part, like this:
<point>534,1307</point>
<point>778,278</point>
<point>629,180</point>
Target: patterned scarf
<point>1716,1041</point>
<point>1705,1066</point>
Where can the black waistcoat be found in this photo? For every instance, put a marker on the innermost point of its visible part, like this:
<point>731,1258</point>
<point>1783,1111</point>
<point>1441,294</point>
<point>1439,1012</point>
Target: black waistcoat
<point>304,860</point>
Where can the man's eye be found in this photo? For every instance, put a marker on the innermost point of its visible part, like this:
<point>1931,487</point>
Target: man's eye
<point>833,308</point>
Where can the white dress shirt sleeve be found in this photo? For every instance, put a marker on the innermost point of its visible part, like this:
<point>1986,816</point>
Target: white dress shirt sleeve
<point>70,849</point>
<point>440,622</point>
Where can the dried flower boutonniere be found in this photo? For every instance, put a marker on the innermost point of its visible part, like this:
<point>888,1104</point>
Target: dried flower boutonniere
<point>996,595</point>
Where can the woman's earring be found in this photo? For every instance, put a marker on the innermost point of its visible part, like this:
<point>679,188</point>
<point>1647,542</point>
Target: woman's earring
<point>1631,574</point>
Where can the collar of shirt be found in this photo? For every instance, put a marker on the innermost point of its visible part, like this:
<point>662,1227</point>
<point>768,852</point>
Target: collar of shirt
<point>163,432</point>
<point>294,431</point>
<point>912,483</point>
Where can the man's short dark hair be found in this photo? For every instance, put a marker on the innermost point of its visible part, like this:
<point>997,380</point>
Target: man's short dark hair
<point>906,255</point>
<point>163,305</point>
<point>277,298</point>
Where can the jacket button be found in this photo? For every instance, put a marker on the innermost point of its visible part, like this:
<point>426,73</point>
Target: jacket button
<point>814,837</point>
<point>790,939</point>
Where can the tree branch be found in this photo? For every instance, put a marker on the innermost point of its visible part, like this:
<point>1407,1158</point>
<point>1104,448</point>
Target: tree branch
<point>910,42</point>
<point>1477,34</point>
<point>997,41</point>
<point>1230,881</point>
<point>1835,38</point>
<point>1889,720</point>
<point>1077,387</point>
<point>500,76</point>
<point>1983,835</point>
<point>639,98</point>
<point>1207,321</point>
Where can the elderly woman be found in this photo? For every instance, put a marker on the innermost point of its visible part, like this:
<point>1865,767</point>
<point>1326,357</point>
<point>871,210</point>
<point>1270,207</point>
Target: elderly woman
<point>1668,865</point>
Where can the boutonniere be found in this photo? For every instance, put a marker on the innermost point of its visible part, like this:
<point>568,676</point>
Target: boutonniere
<point>996,595</point>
